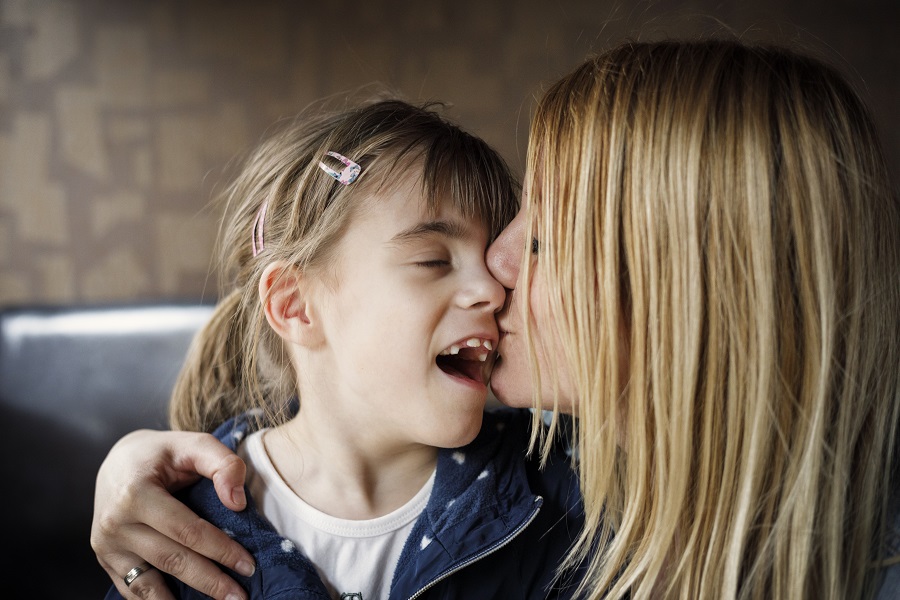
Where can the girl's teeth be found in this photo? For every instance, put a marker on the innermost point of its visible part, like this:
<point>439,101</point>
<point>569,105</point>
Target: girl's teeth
<point>471,343</point>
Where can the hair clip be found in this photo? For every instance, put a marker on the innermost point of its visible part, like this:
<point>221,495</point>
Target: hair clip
<point>348,175</point>
<point>256,236</point>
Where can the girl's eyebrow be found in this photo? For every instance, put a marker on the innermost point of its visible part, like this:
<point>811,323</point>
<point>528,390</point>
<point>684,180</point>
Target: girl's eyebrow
<point>424,229</point>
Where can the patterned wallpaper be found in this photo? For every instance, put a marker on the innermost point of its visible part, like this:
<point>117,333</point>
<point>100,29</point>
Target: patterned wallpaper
<point>118,119</point>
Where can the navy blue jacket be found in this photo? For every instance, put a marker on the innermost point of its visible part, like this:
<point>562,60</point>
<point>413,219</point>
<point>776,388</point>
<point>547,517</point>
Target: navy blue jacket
<point>496,526</point>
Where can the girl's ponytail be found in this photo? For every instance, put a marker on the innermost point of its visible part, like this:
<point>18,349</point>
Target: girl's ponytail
<point>208,390</point>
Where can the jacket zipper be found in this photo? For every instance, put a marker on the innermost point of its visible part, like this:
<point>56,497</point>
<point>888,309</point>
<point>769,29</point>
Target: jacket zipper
<point>482,554</point>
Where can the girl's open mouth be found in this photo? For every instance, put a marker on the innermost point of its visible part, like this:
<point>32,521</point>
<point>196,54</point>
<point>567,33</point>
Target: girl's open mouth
<point>466,359</point>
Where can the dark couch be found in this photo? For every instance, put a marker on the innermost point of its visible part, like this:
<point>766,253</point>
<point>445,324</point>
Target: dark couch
<point>72,382</point>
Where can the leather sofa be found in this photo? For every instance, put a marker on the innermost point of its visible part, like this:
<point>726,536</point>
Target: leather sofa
<point>73,380</point>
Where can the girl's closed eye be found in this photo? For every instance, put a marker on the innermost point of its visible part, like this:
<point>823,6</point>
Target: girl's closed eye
<point>434,263</point>
<point>535,246</point>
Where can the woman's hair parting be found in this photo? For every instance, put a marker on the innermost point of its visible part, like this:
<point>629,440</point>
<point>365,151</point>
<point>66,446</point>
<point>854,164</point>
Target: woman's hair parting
<point>722,247</point>
<point>291,202</point>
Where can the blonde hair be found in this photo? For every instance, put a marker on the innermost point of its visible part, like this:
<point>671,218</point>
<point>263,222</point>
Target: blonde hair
<point>718,218</point>
<point>237,363</point>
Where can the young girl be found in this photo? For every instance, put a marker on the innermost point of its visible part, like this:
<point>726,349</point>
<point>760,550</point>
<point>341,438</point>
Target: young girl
<point>354,249</point>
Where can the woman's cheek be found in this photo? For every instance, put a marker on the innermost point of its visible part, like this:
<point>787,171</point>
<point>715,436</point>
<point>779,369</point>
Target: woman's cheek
<point>511,378</point>
<point>511,381</point>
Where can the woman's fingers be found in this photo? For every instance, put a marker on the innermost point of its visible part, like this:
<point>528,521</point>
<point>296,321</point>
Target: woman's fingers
<point>208,457</point>
<point>189,540</point>
<point>194,570</point>
<point>136,518</point>
<point>147,586</point>
<point>162,546</point>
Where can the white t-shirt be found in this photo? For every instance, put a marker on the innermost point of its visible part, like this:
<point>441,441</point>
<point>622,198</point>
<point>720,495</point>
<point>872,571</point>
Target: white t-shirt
<point>353,558</point>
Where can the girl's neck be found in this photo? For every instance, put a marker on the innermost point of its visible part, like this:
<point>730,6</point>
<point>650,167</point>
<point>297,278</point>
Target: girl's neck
<point>345,472</point>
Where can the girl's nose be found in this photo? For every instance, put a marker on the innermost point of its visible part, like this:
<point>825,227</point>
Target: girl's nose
<point>485,292</point>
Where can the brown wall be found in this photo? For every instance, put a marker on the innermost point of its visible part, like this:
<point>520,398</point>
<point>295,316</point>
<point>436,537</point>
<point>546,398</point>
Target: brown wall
<point>118,118</point>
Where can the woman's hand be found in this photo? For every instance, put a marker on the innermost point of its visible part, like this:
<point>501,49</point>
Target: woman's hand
<point>136,519</point>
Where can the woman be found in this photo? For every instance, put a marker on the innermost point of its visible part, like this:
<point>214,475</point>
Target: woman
<point>711,290</point>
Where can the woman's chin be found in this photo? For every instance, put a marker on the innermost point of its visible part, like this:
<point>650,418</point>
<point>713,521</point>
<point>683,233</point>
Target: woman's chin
<point>510,396</point>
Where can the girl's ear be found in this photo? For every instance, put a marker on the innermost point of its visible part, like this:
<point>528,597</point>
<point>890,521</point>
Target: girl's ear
<point>285,293</point>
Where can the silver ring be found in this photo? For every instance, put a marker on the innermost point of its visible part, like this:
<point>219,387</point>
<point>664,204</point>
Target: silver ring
<point>136,572</point>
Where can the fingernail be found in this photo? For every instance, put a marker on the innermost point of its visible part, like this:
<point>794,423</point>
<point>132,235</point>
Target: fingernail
<point>233,597</point>
<point>247,569</point>
<point>238,496</point>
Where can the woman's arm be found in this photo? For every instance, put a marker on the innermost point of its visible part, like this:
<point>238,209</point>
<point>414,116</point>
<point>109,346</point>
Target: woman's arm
<point>136,519</point>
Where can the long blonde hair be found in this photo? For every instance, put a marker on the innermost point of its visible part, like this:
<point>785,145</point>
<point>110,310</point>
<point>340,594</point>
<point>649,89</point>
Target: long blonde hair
<point>718,218</point>
<point>237,363</point>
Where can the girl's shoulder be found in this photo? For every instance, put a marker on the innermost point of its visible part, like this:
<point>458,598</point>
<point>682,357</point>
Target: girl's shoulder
<point>233,431</point>
<point>505,439</point>
<point>513,428</point>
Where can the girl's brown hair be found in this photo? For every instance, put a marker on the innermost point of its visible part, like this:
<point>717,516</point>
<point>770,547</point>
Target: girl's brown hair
<point>237,362</point>
<point>728,208</point>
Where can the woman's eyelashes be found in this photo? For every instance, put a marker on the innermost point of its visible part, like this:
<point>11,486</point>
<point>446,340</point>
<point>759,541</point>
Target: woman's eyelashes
<point>535,246</point>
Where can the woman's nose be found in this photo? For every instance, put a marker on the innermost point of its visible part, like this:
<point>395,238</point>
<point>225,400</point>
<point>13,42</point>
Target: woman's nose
<point>505,254</point>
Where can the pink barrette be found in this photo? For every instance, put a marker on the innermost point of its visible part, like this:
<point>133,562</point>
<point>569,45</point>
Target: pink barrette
<point>346,176</point>
<point>256,237</point>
